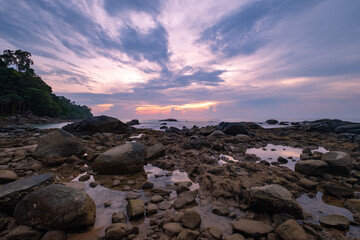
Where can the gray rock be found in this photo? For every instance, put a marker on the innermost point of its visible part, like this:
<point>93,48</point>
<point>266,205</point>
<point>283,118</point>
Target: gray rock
<point>55,235</point>
<point>101,124</point>
<point>274,199</point>
<point>272,121</point>
<point>135,208</point>
<point>335,221</point>
<point>172,229</point>
<point>116,231</point>
<point>311,167</point>
<point>151,209</point>
<point>217,134</point>
<point>353,205</point>
<point>157,199</point>
<point>84,177</point>
<point>133,122</point>
<point>123,159</point>
<point>339,163</point>
<point>165,205</point>
<point>207,130</point>
<point>7,176</point>
<point>56,207</point>
<point>182,187</point>
<point>155,151</point>
<point>221,209</point>
<point>338,190</point>
<point>251,228</point>
<point>23,233</point>
<point>191,219</point>
<point>59,142</point>
<point>308,184</point>
<point>243,138</point>
<point>187,234</point>
<point>211,233</point>
<point>233,128</point>
<point>12,193</point>
<point>147,185</point>
<point>291,230</point>
<point>160,191</point>
<point>118,217</point>
<point>235,236</point>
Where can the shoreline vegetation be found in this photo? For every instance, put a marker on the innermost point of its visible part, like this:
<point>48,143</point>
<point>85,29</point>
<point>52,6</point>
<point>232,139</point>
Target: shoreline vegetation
<point>24,94</point>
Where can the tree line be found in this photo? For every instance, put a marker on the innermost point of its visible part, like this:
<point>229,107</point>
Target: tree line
<point>21,90</point>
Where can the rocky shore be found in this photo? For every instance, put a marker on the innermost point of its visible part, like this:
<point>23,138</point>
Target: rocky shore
<point>102,179</point>
<point>28,118</point>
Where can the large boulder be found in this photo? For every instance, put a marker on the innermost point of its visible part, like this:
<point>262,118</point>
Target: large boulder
<point>311,167</point>
<point>56,207</point>
<point>291,230</point>
<point>251,228</point>
<point>274,199</point>
<point>123,159</point>
<point>99,124</point>
<point>12,193</point>
<point>324,125</point>
<point>59,142</point>
<point>233,128</point>
<point>339,163</point>
<point>338,190</point>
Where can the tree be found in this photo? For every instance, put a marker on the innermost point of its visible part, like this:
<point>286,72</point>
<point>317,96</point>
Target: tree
<point>19,58</point>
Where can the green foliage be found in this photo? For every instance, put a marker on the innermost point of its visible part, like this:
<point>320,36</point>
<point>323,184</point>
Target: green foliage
<point>23,90</point>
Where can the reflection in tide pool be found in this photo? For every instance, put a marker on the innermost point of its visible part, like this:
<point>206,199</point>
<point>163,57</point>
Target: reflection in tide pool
<point>268,154</point>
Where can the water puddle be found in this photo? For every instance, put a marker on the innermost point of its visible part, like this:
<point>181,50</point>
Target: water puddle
<point>102,193</point>
<point>137,136</point>
<point>271,152</point>
<point>318,208</point>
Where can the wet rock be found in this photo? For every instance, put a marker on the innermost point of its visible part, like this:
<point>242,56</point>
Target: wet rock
<point>274,199</point>
<point>335,221</point>
<point>56,207</point>
<point>235,236</point>
<point>116,231</point>
<point>207,130</point>
<point>155,151</point>
<point>173,130</point>
<point>308,184</point>
<point>101,124</point>
<point>187,234</point>
<point>182,187</point>
<point>118,217</point>
<point>59,142</point>
<point>84,177</point>
<point>338,190</point>
<point>23,233</point>
<point>339,163</point>
<point>165,205</point>
<point>157,199</point>
<point>124,159</point>
<point>55,235</point>
<point>151,209</point>
<point>264,162</point>
<point>217,134</point>
<point>291,230</point>
<point>172,229</point>
<point>52,160</point>
<point>94,184</point>
<point>179,203</point>
<point>251,228</point>
<point>147,185</point>
<point>160,191</point>
<point>282,160</point>
<point>133,122</point>
<point>191,219</point>
<point>233,128</point>
<point>221,209</point>
<point>12,193</point>
<point>107,204</point>
<point>168,120</point>
<point>243,138</point>
<point>353,205</point>
<point>272,121</point>
<point>184,198</point>
<point>280,218</point>
<point>355,174</point>
<point>211,233</point>
<point>7,176</point>
<point>311,167</point>
<point>135,208</point>
<point>132,195</point>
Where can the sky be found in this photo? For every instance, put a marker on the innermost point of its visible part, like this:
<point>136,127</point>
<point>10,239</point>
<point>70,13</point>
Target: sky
<point>204,59</point>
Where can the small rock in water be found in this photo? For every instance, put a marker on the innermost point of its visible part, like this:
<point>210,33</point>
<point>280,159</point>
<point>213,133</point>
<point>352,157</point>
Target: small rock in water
<point>107,204</point>
<point>159,175</point>
<point>157,199</point>
<point>151,209</point>
<point>172,229</point>
<point>291,230</point>
<point>147,185</point>
<point>191,219</point>
<point>116,182</point>
<point>132,195</point>
<point>131,183</point>
<point>221,209</point>
<point>251,228</point>
<point>169,174</point>
<point>211,233</point>
<point>165,205</point>
<point>84,177</point>
<point>282,160</point>
<point>335,221</point>
<point>135,208</point>
<point>116,231</point>
<point>94,184</point>
<point>118,217</point>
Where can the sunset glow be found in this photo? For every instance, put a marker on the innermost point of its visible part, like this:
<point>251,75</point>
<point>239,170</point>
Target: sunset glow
<point>156,109</point>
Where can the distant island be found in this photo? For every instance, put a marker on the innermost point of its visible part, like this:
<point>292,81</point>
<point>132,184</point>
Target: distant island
<point>168,120</point>
<point>22,91</point>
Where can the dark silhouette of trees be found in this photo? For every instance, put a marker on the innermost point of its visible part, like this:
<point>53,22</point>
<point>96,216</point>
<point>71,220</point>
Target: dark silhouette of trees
<point>22,90</point>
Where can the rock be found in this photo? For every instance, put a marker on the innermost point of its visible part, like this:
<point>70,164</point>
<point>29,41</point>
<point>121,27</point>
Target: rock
<point>187,234</point>
<point>191,219</point>
<point>235,236</point>
<point>280,218</point>
<point>264,162</point>
<point>308,184</point>
<point>282,160</point>
<point>133,122</point>
<point>274,199</point>
<point>291,230</point>
<point>12,193</point>
<point>233,128</point>
<point>94,184</point>
<point>151,209</point>
<point>353,205</point>
<point>184,198</point>
<point>325,125</point>
<point>23,233</point>
<point>52,160</point>
<point>243,138</point>
<point>147,185</point>
<point>217,134</point>
<point>251,228</point>
<point>155,151</point>
<point>116,231</point>
<point>165,205</point>
<point>84,177</point>
<point>211,233</point>
<point>353,173</point>
<point>101,124</point>
<point>339,163</point>
<point>348,128</point>
<point>174,130</point>
<point>135,208</point>
<point>311,167</point>
<point>132,195</point>
<point>55,235</point>
<point>7,176</point>
<point>160,191</point>
<point>182,187</point>
<point>59,142</point>
<point>338,190</point>
<point>56,207</point>
<point>207,130</point>
<point>172,229</point>
<point>124,159</point>
<point>168,120</point>
<point>335,221</point>
<point>118,217</point>
<point>272,121</point>
<point>157,199</point>
<point>221,209</point>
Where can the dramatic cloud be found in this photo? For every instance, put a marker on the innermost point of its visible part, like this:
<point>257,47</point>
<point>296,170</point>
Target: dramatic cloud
<point>228,59</point>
